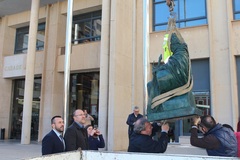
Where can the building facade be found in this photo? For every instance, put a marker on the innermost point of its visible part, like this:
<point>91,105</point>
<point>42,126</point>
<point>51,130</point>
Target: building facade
<point>106,71</point>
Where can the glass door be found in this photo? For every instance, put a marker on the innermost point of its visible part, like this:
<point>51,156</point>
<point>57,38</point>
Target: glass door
<point>17,109</point>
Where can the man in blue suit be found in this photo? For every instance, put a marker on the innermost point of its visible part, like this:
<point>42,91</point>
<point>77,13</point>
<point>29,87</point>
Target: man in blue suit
<point>53,142</point>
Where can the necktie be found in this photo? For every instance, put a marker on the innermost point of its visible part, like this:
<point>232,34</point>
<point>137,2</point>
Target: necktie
<point>61,137</point>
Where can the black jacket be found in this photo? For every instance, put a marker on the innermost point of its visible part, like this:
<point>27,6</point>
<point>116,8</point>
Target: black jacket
<point>95,143</point>
<point>145,143</point>
<point>131,119</point>
<point>76,137</point>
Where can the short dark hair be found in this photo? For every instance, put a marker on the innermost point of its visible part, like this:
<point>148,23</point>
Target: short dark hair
<point>135,108</point>
<point>208,121</point>
<point>53,118</point>
<point>86,127</point>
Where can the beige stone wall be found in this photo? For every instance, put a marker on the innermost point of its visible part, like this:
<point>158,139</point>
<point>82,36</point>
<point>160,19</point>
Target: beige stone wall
<point>235,37</point>
<point>84,57</point>
<point>120,73</point>
<point>52,81</point>
<point>220,57</point>
<point>82,6</point>
<point>6,85</point>
<point>198,47</point>
<point>138,72</point>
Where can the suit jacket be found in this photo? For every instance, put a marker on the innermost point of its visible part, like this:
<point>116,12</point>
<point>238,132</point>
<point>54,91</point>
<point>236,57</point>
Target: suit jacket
<point>76,137</point>
<point>52,144</point>
<point>96,142</point>
<point>132,119</point>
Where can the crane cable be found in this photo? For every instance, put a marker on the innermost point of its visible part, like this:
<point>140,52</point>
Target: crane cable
<point>171,28</point>
<point>167,52</point>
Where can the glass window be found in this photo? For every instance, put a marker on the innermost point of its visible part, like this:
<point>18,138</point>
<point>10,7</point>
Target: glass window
<point>201,89</point>
<point>84,91</point>
<point>238,79</point>
<point>87,27</point>
<point>21,45</point>
<point>17,109</point>
<point>189,13</point>
<point>236,9</point>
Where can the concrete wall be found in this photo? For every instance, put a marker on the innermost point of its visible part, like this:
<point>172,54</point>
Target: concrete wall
<point>94,155</point>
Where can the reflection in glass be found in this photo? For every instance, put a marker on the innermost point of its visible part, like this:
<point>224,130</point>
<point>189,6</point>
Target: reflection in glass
<point>22,34</point>
<point>86,27</point>
<point>192,23</point>
<point>236,5</point>
<point>161,13</point>
<point>17,109</point>
<point>84,92</point>
<point>236,9</point>
<point>40,39</point>
<point>189,13</point>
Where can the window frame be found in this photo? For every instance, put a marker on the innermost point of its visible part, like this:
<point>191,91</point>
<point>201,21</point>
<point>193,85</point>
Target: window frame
<point>78,20</point>
<point>178,21</point>
<point>235,12</point>
<point>25,30</point>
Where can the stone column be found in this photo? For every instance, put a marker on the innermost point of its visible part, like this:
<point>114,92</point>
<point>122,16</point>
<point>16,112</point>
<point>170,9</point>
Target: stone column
<point>221,91</point>
<point>52,89</point>
<point>120,74</point>
<point>233,67</point>
<point>104,70</point>
<point>28,93</point>
<point>6,84</point>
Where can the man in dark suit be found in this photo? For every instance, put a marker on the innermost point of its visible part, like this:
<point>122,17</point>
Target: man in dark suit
<point>76,135</point>
<point>132,118</point>
<point>53,142</point>
<point>141,140</point>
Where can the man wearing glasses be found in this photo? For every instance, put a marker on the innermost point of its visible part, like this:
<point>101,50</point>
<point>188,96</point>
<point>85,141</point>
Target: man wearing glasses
<point>76,135</point>
<point>217,140</point>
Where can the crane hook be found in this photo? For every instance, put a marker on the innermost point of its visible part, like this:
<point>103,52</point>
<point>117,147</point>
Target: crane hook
<point>170,4</point>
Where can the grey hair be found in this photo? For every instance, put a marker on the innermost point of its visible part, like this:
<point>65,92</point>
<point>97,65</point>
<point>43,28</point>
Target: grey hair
<point>140,125</point>
<point>135,107</point>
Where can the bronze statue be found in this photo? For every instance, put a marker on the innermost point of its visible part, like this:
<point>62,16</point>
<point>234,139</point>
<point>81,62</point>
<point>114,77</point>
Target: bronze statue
<point>169,92</point>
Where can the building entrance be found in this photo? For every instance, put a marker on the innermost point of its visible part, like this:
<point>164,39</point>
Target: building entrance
<point>17,109</point>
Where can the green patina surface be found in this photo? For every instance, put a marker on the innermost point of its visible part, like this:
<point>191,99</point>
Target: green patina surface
<point>169,76</point>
